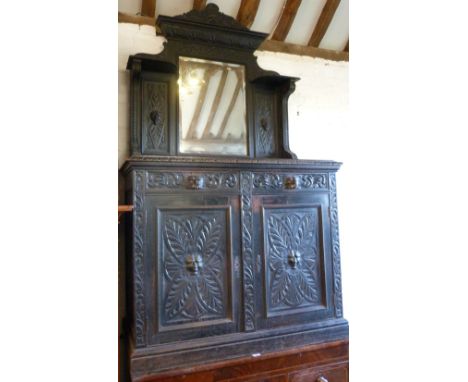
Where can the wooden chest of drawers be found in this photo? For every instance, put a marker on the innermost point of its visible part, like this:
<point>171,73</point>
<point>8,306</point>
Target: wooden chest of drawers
<point>317,363</point>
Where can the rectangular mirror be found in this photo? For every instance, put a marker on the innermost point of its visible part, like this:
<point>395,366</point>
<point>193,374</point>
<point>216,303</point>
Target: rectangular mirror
<point>212,108</point>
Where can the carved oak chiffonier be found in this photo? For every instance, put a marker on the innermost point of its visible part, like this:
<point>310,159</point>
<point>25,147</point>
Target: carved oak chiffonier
<point>234,271</point>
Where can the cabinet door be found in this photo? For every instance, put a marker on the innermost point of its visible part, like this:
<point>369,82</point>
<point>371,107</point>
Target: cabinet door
<point>293,259</point>
<point>190,256</point>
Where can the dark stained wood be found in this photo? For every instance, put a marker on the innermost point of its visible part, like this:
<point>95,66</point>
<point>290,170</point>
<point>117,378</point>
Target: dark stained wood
<point>215,105</point>
<point>283,47</point>
<point>199,4</point>
<point>148,7</point>
<point>300,364</point>
<point>140,20</point>
<point>286,19</point>
<point>346,48</point>
<point>247,12</point>
<point>323,22</point>
<point>231,105</point>
<point>205,224</point>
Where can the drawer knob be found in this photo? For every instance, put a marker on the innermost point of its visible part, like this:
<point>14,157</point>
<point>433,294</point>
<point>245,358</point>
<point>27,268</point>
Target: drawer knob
<point>322,379</point>
<point>195,182</point>
<point>290,183</point>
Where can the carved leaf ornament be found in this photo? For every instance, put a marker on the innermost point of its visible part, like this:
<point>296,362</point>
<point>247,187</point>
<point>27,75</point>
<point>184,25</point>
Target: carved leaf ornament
<point>292,254</point>
<point>193,268</point>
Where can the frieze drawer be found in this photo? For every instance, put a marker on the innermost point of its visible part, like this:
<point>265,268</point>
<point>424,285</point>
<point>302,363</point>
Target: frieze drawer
<point>157,181</point>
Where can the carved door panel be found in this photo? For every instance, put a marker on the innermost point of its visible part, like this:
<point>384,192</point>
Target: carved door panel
<point>293,265</point>
<point>192,258</point>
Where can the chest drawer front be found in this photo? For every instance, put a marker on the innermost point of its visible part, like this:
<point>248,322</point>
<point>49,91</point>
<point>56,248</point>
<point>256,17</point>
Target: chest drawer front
<point>339,374</point>
<point>191,256</point>
<point>191,181</point>
<point>293,264</point>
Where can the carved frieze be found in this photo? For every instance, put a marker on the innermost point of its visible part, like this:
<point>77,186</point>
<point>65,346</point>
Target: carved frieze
<point>269,181</point>
<point>194,266</point>
<point>292,258</point>
<point>191,181</point>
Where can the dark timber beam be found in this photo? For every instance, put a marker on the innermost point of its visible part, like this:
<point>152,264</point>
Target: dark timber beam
<point>148,8</point>
<point>247,12</point>
<point>140,20</point>
<point>268,45</point>
<point>286,19</point>
<point>199,4</point>
<point>302,50</point>
<point>323,22</point>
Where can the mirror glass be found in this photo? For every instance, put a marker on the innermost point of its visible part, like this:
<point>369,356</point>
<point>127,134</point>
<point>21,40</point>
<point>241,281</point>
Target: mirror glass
<point>212,111</point>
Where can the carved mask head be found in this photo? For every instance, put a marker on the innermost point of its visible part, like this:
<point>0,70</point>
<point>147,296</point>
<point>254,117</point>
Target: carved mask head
<point>294,258</point>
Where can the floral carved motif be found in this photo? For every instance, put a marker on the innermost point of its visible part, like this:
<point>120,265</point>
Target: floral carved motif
<point>292,259</point>
<point>264,116</point>
<point>338,300</point>
<point>138,258</point>
<point>280,181</point>
<point>155,117</point>
<point>193,268</point>
<point>247,251</point>
<point>164,180</point>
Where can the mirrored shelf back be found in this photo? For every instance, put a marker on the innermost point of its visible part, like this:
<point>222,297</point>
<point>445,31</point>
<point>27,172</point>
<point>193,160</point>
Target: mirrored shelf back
<point>205,95</point>
<point>212,107</point>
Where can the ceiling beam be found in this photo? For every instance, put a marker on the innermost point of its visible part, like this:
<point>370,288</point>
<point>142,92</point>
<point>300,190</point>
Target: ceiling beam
<point>148,8</point>
<point>199,4</point>
<point>140,20</point>
<point>323,22</point>
<point>247,12</point>
<point>286,19</point>
<point>303,50</point>
<point>267,45</point>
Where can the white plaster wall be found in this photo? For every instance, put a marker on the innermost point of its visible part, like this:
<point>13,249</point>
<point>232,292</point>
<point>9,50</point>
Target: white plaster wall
<point>318,109</point>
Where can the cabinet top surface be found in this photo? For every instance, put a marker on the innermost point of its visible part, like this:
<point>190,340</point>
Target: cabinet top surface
<point>243,163</point>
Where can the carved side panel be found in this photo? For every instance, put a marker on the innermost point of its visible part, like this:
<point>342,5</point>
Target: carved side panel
<point>247,251</point>
<point>194,263</point>
<point>265,124</point>
<point>138,258</point>
<point>338,300</point>
<point>154,132</point>
<point>292,258</point>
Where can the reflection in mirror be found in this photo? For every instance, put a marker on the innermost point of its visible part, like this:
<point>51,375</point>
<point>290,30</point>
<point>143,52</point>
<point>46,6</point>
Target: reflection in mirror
<point>211,108</point>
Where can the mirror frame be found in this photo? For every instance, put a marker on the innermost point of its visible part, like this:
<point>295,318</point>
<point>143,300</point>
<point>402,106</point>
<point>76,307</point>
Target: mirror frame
<point>208,35</point>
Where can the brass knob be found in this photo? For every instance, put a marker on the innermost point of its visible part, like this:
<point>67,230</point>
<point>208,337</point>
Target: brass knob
<point>290,183</point>
<point>195,182</point>
<point>322,379</point>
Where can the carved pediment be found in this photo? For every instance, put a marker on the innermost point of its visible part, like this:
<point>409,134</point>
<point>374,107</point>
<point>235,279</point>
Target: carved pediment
<point>212,16</point>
